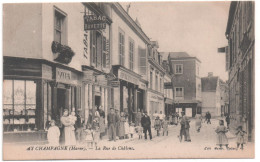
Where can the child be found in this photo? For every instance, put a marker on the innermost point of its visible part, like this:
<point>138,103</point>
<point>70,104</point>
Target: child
<point>157,125</point>
<point>165,127</point>
<point>140,131</point>
<point>73,118</point>
<point>127,128</point>
<point>132,129</point>
<point>96,130</point>
<point>221,134</point>
<point>53,134</point>
<point>89,137</point>
<point>240,137</point>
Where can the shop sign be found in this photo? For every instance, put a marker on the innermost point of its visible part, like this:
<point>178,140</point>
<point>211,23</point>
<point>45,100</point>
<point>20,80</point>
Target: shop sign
<point>64,76</point>
<point>94,22</point>
<point>128,78</point>
<point>115,83</point>
<point>46,72</point>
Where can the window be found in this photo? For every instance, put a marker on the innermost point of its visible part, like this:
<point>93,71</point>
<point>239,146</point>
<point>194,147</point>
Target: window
<point>19,105</point>
<point>156,82</point>
<point>60,27</point>
<point>96,49</point>
<point>142,60</point>
<point>178,92</point>
<point>93,49</point>
<point>104,56</point>
<point>131,54</point>
<point>151,79</point>
<point>179,69</point>
<point>121,48</point>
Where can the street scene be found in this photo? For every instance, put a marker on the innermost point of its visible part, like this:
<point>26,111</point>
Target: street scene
<point>128,80</point>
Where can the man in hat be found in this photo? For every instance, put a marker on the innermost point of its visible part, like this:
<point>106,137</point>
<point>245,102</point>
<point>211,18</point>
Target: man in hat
<point>185,126</point>
<point>112,120</point>
<point>146,124</point>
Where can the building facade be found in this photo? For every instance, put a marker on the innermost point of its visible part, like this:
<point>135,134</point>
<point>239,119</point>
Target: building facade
<point>186,83</point>
<point>240,58</point>
<point>156,72</point>
<point>212,95</point>
<point>168,91</point>
<point>129,63</point>
<point>50,64</point>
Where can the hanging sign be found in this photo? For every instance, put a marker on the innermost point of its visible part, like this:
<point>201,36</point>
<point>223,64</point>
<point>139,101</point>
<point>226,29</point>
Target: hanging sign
<point>94,22</point>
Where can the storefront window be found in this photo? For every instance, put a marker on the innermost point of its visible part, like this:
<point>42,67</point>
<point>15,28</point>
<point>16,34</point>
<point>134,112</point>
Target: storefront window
<point>19,105</point>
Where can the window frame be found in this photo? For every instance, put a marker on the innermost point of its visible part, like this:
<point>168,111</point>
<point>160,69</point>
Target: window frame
<point>131,53</point>
<point>175,68</point>
<point>63,31</point>
<point>175,94</point>
<point>121,46</point>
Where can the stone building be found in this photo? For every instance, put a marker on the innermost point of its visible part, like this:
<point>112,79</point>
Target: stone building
<point>240,61</point>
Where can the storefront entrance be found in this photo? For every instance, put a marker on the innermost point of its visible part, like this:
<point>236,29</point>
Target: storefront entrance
<point>97,101</point>
<point>61,96</point>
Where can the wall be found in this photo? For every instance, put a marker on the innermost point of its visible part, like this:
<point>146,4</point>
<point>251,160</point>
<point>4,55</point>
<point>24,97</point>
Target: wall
<point>119,23</point>
<point>22,30</point>
<point>75,31</point>
<point>209,102</point>
<point>187,79</point>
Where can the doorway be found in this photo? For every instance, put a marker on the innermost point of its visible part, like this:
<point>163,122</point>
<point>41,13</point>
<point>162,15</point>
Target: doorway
<point>97,101</point>
<point>61,94</point>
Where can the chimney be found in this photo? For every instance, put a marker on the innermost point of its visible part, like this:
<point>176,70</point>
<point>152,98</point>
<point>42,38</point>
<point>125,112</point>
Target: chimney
<point>210,74</point>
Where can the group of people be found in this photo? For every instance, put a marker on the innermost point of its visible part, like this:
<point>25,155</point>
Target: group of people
<point>120,128</point>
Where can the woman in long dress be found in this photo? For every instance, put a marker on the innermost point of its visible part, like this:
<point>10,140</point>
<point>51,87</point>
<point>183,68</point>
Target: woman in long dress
<point>102,126</point>
<point>69,133</point>
<point>198,121</point>
<point>121,131</point>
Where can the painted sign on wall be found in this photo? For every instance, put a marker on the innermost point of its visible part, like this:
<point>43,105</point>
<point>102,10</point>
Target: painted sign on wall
<point>94,22</point>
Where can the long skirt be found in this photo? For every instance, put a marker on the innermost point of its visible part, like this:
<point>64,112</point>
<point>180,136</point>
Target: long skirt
<point>222,139</point>
<point>70,138</point>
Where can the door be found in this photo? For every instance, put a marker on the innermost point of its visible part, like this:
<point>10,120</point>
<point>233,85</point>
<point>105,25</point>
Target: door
<point>188,112</point>
<point>179,110</point>
<point>61,94</point>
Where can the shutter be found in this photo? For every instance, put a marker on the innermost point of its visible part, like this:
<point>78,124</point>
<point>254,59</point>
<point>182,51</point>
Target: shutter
<point>142,61</point>
<point>227,58</point>
<point>107,54</point>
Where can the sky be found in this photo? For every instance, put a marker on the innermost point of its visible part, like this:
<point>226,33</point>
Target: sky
<point>197,28</point>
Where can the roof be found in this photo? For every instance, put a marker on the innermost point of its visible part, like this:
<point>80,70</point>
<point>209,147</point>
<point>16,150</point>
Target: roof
<point>178,54</point>
<point>209,84</point>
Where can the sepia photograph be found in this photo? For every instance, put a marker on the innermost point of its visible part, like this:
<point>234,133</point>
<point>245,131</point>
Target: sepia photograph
<point>128,80</point>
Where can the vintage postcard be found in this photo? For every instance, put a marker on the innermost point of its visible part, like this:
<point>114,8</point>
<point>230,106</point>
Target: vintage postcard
<point>128,80</point>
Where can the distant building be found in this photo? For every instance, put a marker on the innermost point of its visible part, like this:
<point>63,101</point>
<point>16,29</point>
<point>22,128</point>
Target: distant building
<point>240,61</point>
<point>213,94</point>
<point>168,90</point>
<point>186,82</point>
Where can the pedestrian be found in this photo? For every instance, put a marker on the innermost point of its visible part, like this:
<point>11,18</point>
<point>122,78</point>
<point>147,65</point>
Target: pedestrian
<point>117,123</point>
<point>112,121</point>
<point>121,127</point>
<point>157,125</point>
<point>79,125</point>
<point>69,130</point>
<point>73,118</point>
<point>228,120</point>
<point>170,118</point>
<point>240,137</point>
<point>140,131</point>
<point>127,128</point>
<point>165,127</point>
<point>185,126</point>
<point>53,135</point>
<point>102,125</point>
<point>198,121</point>
<point>208,117</point>
<point>89,136</point>
<point>146,124</point>
<point>138,118</point>
<point>221,131</point>
<point>96,131</point>
<point>132,129</point>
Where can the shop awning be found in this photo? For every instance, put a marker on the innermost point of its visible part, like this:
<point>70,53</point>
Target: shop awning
<point>168,101</point>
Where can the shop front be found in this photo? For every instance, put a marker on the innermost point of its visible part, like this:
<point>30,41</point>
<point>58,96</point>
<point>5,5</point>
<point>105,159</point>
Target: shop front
<point>168,104</point>
<point>127,95</point>
<point>36,91</point>
<point>96,94</point>
<point>155,103</point>
<point>190,108</point>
